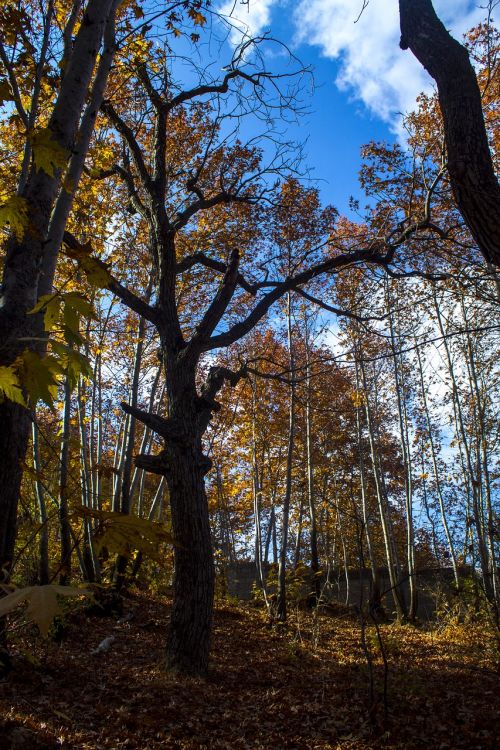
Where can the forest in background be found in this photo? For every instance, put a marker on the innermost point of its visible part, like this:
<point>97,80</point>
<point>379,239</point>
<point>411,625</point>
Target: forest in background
<point>203,364</point>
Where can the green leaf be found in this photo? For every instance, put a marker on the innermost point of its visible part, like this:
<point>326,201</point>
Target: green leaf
<point>10,387</point>
<point>15,213</point>
<point>50,305</point>
<point>120,534</point>
<point>43,603</point>
<point>48,154</point>
<point>73,362</point>
<point>40,376</point>
<point>72,319</point>
<point>79,303</point>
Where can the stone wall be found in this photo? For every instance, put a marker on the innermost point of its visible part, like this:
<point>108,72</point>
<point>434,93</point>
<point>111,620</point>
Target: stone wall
<point>240,577</point>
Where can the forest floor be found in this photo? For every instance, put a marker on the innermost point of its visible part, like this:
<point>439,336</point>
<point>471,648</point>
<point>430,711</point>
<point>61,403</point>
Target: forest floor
<point>305,685</point>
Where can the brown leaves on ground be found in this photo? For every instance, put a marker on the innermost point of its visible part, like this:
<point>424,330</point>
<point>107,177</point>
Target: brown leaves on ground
<point>305,687</point>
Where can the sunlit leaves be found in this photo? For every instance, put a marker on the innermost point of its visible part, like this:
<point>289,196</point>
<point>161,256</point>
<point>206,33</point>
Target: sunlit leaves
<point>48,154</point>
<point>120,534</point>
<point>95,270</point>
<point>14,212</point>
<point>39,376</point>
<point>43,603</point>
<point>10,386</point>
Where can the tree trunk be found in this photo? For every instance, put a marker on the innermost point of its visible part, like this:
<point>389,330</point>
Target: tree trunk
<point>470,166</point>
<point>281,603</point>
<point>65,528</point>
<point>185,466</point>
<point>188,643</point>
<point>43,564</point>
<point>311,499</point>
<point>22,266</point>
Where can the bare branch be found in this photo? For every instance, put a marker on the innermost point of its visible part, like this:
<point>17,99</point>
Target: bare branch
<point>131,140</point>
<point>215,265</point>
<point>161,426</point>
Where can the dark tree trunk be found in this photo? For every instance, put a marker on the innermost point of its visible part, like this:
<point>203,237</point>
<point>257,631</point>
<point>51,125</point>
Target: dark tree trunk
<point>470,165</point>
<point>185,466</point>
<point>15,426</point>
<point>188,643</point>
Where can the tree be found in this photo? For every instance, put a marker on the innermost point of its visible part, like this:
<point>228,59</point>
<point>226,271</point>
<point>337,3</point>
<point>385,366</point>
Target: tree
<point>42,203</point>
<point>469,163</point>
<point>179,168</point>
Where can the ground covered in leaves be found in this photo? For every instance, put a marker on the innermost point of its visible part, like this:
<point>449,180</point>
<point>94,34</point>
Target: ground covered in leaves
<point>306,686</point>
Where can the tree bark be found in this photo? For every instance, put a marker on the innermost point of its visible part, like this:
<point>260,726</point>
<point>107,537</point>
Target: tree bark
<point>23,260</point>
<point>189,635</point>
<point>470,166</point>
<point>281,612</point>
<point>43,563</point>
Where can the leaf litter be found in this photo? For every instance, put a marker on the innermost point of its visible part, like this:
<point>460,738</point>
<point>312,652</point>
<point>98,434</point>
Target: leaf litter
<point>304,686</point>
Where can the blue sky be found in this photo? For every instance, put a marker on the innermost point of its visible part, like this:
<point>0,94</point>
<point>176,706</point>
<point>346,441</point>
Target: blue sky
<point>363,81</point>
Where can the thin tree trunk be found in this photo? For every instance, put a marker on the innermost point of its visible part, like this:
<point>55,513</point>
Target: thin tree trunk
<point>376,590</point>
<point>401,401</point>
<point>129,442</point>
<point>437,478</point>
<point>382,504</point>
<point>281,601</point>
<point>64,524</point>
<point>311,500</point>
<point>43,564</point>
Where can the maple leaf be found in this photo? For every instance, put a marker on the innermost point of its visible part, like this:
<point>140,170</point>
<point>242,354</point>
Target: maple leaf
<point>15,213</point>
<point>120,533</point>
<point>10,387</point>
<point>50,305</point>
<point>39,375</point>
<point>48,153</point>
<point>5,92</point>
<point>96,270</point>
<point>197,17</point>
<point>43,603</point>
<point>79,303</point>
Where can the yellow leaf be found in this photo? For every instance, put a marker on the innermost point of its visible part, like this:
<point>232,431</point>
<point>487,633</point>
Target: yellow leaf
<point>79,303</point>
<point>39,375</point>
<point>43,604</point>
<point>120,534</point>
<point>95,270</point>
<point>48,154</point>
<point>10,387</point>
<point>197,17</point>
<point>15,213</point>
<point>50,305</point>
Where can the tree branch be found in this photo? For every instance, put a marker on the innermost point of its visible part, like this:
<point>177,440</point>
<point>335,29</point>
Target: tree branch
<point>328,266</point>
<point>134,147</point>
<point>130,299</point>
<point>215,265</point>
<point>163,427</point>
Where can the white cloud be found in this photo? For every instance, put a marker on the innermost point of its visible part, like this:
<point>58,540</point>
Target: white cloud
<point>249,18</point>
<point>372,67</point>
